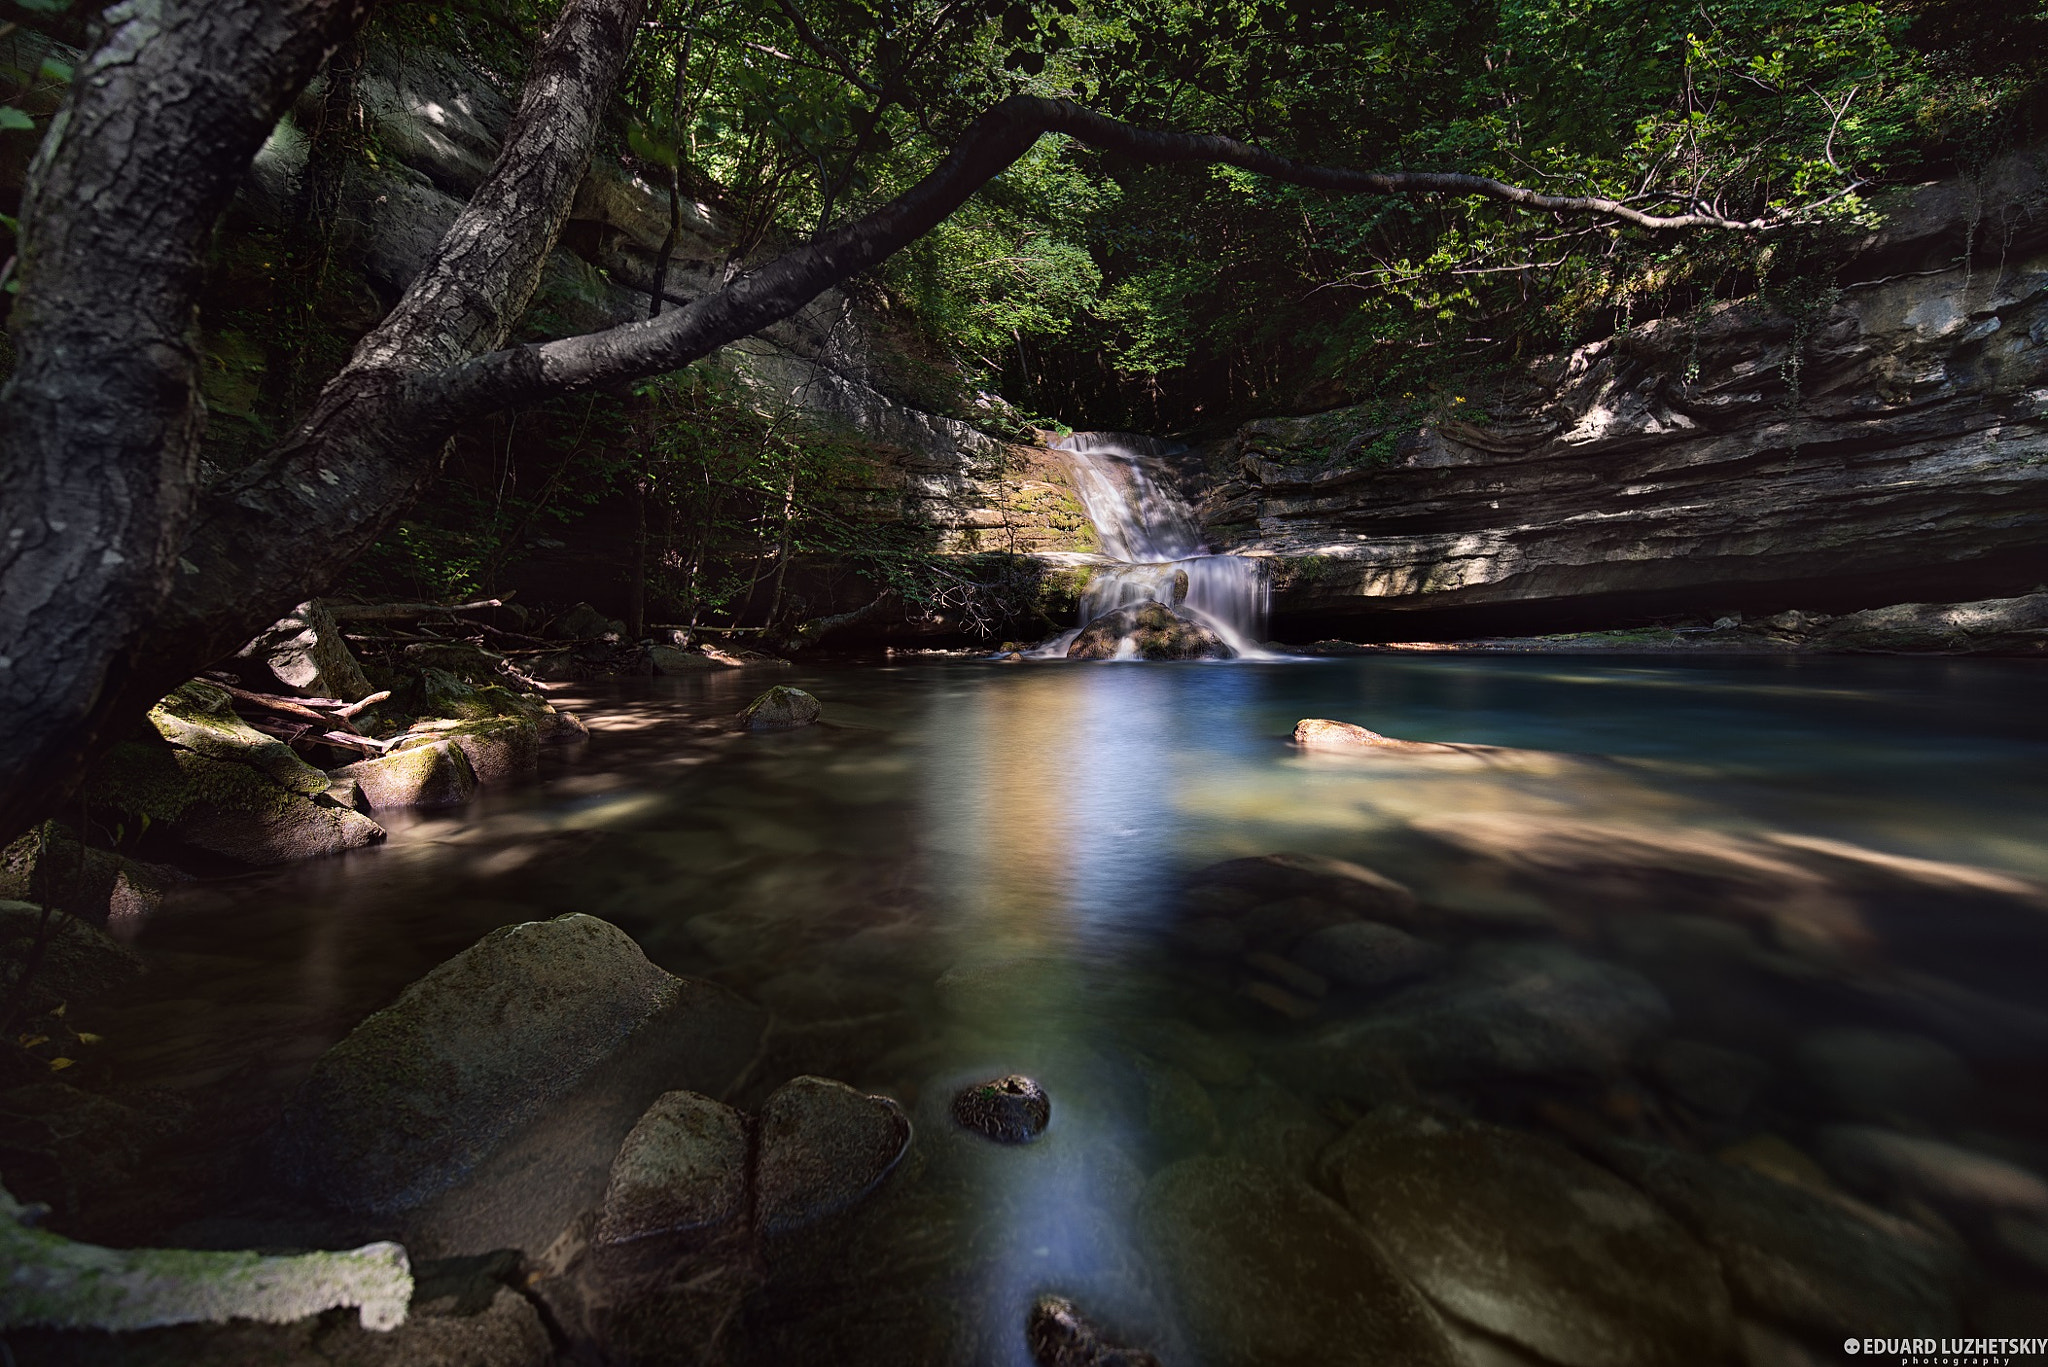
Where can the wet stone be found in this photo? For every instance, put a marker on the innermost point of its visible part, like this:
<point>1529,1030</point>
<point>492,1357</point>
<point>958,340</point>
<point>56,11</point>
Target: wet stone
<point>1267,1272</point>
<point>1708,1078</point>
<point>1366,954</point>
<point>1060,1337</point>
<point>1352,886</point>
<point>1289,975</point>
<point>1529,1242</point>
<point>1797,1258</point>
<point>824,1146</point>
<point>1009,1110</point>
<point>1884,1074</point>
<point>781,708</point>
<point>682,1170</point>
<point>1947,1176</point>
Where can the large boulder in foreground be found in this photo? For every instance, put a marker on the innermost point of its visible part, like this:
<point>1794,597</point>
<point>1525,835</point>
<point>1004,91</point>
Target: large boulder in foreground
<point>1147,631</point>
<point>1267,1272</point>
<point>1527,1241</point>
<point>417,1094</point>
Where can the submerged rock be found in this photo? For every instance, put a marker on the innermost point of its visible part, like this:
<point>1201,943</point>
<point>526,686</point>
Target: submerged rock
<point>1708,1078</point>
<point>1795,1257</point>
<point>1517,1010</point>
<point>1366,954</point>
<point>781,708</point>
<point>1336,882</point>
<point>437,774</point>
<point>824,1146</point>
<point>1528,1241</point>
<point>200,717</point>
<point>1153,631</point>
<point>1060,1337</point>
<point>1009,1110</point>
<point>1884,1074</point>
<point>418,1093</point>
<point>682,1170</point>
<point>1266,1272</point>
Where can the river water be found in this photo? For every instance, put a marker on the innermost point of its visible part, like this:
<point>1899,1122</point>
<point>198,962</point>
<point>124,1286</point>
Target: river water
<point>1774,913</point>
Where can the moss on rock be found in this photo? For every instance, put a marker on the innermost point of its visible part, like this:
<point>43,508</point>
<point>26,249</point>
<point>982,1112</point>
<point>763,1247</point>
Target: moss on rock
<point>200,717</point>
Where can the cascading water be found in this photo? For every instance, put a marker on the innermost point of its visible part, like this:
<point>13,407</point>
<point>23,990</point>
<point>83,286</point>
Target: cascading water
<point>1151,550</point>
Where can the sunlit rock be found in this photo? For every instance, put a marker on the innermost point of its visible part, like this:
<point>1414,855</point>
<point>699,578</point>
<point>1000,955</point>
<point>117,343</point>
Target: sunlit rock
<point>499,749</point>
<point>1796,1257</point>
<point>682,1171</point>
<point>1010,1110</point>
<point>1526,1240</point>
<point>307,652</point>
<point>823,1147</point>
<point>1319,733</point>
<point>1147,631</point>
<point>2014,626</point>
<point>200,717</point>
<point>55,1282</point>
<point>780,709</point>
<point>670,660</point>
<point>1266,1272</point>
<point>437,774</point>
<point>418,1093</point>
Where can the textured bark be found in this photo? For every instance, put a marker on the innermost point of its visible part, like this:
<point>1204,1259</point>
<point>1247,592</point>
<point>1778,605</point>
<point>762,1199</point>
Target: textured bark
<point>99,422</point>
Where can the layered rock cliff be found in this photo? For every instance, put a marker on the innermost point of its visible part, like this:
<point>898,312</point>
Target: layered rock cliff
<point>1889,442</point>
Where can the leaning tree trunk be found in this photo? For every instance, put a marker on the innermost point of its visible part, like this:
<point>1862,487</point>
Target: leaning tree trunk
<point>99,423</point>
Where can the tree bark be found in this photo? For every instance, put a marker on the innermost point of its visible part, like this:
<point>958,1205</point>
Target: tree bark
<point>99,422</point>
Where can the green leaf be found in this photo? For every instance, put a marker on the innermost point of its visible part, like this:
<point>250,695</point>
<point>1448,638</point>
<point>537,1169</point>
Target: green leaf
<point>54,69</point>
<point>17,119</point>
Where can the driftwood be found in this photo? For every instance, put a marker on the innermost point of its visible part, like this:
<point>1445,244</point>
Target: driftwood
<point>294,707</point>
<point>401,612</point>
<point>293,732</point>
<point>346,712</point>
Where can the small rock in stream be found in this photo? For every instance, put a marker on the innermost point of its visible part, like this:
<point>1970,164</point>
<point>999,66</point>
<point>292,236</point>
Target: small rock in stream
<point>1366,954</point>
<point>824,1146</point>
<point>683,1170</point>
<point>1009,1110</point>
<point>781,708</point>
<point>1060,1337</point>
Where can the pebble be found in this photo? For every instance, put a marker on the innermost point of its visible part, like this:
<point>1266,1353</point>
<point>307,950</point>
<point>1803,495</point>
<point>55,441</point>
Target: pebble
<point>1009,1110</point>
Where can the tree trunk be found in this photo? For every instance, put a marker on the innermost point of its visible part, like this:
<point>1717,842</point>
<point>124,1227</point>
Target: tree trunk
<point>100,421</point>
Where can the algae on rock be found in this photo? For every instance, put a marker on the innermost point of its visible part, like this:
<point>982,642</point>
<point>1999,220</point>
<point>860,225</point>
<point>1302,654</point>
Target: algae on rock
<point>54,1282</point>
<point>200,717</point>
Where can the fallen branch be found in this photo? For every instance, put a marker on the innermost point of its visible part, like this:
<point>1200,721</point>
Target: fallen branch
<point>346,712</point>
<point>291,707</point>
<point>399,612</point>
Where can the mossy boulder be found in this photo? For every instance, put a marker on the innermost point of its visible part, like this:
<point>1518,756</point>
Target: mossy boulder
<point>437,774</point>
<point>499,749</point>
<point>421,1091</point>
<point>1147,631</point>
<point>780,709</point>
<point>223,808</point>
<point>200,717</point>
<point>98,885</point>
<point>79,961</point>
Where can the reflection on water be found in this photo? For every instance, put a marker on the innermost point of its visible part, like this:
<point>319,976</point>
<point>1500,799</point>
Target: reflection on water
<point>1783,918</point>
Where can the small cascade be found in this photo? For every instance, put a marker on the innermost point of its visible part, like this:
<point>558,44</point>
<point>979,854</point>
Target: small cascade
<point>1151,549</point>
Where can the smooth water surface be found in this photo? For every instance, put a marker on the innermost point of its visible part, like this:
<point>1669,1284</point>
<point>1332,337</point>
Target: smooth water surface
<point>971,869</point>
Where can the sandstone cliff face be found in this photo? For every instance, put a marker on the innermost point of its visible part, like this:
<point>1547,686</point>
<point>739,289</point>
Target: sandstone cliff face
<point>1889,443</point>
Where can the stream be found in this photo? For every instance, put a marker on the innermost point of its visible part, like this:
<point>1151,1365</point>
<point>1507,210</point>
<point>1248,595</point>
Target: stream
<point>1793,899</point>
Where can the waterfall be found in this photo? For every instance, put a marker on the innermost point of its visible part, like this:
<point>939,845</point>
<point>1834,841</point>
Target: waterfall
<point>1152,549</point>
